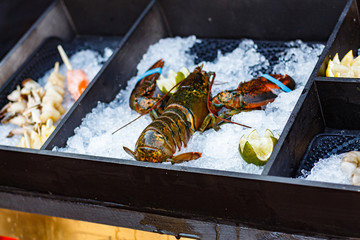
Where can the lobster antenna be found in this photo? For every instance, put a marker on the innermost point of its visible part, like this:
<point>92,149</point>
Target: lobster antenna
<point>152,108</point>
<point>208,106</point>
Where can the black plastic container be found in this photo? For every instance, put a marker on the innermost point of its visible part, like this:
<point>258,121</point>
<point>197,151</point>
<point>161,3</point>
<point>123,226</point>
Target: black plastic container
<point>79,186</point>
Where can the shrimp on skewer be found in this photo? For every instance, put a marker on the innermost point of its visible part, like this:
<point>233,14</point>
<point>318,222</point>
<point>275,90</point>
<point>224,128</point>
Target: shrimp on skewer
<point>77,79</point>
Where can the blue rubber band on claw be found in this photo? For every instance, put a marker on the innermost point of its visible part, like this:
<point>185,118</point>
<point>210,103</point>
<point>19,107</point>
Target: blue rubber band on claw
<point>149,72</point>
<point>277,82</point>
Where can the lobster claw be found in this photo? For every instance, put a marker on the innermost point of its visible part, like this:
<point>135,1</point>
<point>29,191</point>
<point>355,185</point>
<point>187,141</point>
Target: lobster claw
<point>143,96</point>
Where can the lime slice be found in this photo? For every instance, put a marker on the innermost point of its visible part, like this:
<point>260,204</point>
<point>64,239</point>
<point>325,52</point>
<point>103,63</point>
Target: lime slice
<point>165,84</point>
<point>173,78</point>
<point>257,149</point>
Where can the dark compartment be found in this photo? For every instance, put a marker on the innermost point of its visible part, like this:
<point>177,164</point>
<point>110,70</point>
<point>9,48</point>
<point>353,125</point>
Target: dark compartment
<point>45,56</point>
<point>268,201</point>
<point>67,20</point>
<point>16,19</point>
<point>345,39</point>
<point>332,107</point>
<point>329,105</point>
<point>63,23</point>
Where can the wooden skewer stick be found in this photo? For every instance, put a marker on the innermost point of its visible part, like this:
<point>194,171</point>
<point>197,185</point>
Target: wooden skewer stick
<point>64,57</point>
<point>56,67</point>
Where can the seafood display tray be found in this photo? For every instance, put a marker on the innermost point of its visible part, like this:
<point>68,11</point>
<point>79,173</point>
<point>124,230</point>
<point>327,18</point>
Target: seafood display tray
<point>80,186</point>
<point>324,145</point>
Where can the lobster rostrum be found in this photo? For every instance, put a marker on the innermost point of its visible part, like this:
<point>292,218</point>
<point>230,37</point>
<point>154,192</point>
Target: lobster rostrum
<point>182,116</point>
<point>250,95</point>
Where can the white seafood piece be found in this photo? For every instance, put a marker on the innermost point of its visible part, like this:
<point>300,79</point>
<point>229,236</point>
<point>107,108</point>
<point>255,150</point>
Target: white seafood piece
<point>30,84</point>
<point>15,95</point>
<point>33,106</point>
<point>12,108</point>
<point>18,120</point>
<point>350,165</point>
<point>350,162</point>
<point>33,102</point>
<point>56,78</point>
<point>36,95</point>
<point>52,95</point>
<point>17,107</point>
<point>19,131</point>
<point>355,180</point>
<point>30,87</point>
<point>51,102</point>
<point>35,115</point>
<point>49,112</point>
<point>60,90</point>
<point>3,111</point>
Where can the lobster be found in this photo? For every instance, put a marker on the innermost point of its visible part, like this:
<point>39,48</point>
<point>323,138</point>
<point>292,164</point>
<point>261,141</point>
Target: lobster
<point>190,109</point>
<point>250,95</point>
<point>182,116</point>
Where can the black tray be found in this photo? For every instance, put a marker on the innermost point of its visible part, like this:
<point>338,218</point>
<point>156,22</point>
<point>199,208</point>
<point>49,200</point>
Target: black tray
<point>273,200</point>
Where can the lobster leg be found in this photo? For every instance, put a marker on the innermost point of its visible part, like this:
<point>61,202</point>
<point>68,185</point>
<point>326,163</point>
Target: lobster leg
<point>209,122</point>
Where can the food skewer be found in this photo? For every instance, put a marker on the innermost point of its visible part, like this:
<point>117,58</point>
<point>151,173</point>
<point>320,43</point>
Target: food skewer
<point>77,79</point>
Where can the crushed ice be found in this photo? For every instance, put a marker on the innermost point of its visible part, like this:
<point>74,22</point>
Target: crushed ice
<point>87,60</point>
<point>219,149</point>
<point>327,170</point>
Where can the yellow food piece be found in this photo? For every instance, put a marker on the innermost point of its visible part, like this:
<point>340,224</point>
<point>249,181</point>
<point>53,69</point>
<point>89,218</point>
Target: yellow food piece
<point>257,149</point>
<point>37,138</point>
<point>347,59</point>
<point>347,67</point>
<point>167,83</point>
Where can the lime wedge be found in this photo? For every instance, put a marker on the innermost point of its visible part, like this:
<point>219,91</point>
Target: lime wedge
<point>173,78</point>
<point>257,149</point>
